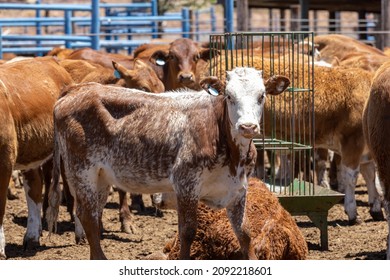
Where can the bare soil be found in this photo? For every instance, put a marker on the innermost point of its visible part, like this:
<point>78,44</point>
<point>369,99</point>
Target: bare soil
<point>366,241</point>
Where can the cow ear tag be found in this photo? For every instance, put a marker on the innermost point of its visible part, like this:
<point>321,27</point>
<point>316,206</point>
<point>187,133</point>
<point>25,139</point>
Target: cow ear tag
<point>160,62</point>
<point>212,91</point>
<point>117,74</point>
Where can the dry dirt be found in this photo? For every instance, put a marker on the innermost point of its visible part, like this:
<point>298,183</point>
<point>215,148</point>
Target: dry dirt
<point>366,241</point>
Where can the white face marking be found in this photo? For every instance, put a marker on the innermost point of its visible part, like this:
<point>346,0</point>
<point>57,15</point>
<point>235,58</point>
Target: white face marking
<point>245,92</point>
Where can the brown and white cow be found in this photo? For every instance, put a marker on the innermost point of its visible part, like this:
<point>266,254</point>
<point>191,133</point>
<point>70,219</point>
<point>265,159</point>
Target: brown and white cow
<point>195,144</point>
<point>28,91</point>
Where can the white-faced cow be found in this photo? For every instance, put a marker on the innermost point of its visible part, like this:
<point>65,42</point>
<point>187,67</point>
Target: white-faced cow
<point>28,91</point>
<point>195,144</point>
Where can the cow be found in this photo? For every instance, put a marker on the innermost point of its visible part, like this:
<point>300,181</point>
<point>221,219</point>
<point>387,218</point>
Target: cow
<point>195,144</point>
<point>181,65</point>
<point>100,57</point>
<point>28,91</point>
<point>376,123</point>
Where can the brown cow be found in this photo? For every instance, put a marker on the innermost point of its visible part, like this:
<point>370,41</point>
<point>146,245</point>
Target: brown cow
<point>275,234</point>
<point>171,149</point>
<point>102,58</point>
<point>182,65</point>
<point>376,127</point>
<point>28,90</point>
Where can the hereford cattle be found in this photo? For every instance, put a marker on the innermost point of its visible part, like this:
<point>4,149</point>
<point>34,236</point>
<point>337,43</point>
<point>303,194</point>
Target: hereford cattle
<point>106,135</point>
<point>274,232</point>
<point>376,127</point>
<point>181,65</point>
<point>28,90</point>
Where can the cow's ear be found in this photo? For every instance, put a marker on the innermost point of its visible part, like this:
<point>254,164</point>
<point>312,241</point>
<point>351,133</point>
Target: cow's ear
<point>120,71</point>
<point>213,85</point>
<point>276,84</point>
<point>206,54</point>
<point>159,57</point>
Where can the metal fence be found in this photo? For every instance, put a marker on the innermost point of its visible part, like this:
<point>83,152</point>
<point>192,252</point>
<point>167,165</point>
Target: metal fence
<point>98,25</point>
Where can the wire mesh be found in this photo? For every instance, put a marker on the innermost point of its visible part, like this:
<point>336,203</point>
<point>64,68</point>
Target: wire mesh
<point>286,145</point>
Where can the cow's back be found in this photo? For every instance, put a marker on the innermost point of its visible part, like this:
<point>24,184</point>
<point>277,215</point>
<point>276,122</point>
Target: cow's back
<point>118,127</point>
<point>28,91</point>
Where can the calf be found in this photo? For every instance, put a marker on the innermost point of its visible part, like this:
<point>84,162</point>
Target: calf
<point>107,135</point>
<point>181,65</point>
<point>28,90</point>
<point>274,232</point>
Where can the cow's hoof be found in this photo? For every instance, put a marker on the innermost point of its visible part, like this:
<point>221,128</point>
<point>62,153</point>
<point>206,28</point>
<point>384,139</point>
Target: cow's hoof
<point>127,227</point>
<point>356,221</point>
<point>81,240</point>
<point>377,216</point>
<point>30,244</point>
<point>2,255</point>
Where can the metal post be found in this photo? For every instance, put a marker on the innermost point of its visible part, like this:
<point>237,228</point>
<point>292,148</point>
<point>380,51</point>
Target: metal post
<point>38,27</point>
<point>213,20</point>
<point>304,14</point>
<point>185,12</point>
<point>385,23</point>
<point>229,11</point>
<point>95,25</point>
<point>68,27</point>
<point>155,23</point>
<point>1,42</point>
<point>197,25</point>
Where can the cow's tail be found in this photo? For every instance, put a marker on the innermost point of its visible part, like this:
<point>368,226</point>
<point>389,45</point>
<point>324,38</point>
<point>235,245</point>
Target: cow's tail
<point>54,197</point>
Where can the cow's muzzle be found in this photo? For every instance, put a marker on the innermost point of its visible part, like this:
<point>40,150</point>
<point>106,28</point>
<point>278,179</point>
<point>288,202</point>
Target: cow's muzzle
<point>186,78</point>
<point>248,130</point>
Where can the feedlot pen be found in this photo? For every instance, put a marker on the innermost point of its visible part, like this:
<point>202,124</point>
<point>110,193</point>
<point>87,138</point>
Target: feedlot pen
<point>286,149</point>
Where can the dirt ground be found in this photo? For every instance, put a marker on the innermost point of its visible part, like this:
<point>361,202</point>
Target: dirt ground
<point>366,241</point>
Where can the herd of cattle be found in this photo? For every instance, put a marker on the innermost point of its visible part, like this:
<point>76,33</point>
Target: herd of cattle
<point>156,122</point>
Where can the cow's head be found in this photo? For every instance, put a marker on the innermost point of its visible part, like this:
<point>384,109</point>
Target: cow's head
<point>181,61</point>
<point>245,96</point>
<point>142,77</point>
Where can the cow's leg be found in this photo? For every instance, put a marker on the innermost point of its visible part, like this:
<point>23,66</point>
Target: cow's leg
<point>321,170</point>
<point>69,198</point>
<point>375,195</point>
<point>187,206</point>
<point>124,213</point>
<point>236,215</point>
<point>90,202</point>
<point>33,189</point>
<point>137,203</point>
<point>5,176</point>
<point>47,169</point>
<point>347,175</point>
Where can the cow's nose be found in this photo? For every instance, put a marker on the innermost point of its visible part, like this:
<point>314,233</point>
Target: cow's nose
<point>186,77</point>
<point>248,130</point>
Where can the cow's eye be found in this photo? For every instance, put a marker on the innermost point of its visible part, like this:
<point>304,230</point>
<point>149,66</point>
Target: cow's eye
<point>261,98</point>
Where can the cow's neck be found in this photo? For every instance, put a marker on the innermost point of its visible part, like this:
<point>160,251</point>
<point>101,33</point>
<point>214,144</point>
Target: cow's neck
<point>237,148</point>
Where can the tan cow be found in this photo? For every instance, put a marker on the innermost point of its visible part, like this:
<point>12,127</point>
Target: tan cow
<point>102,58</point>
<point>28,91</point>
